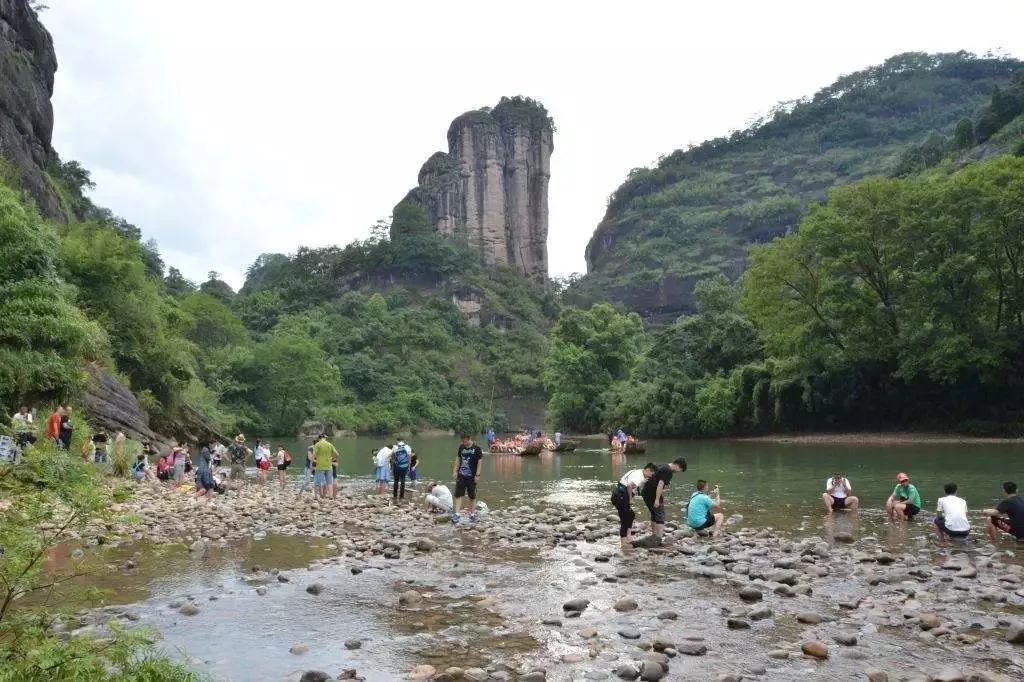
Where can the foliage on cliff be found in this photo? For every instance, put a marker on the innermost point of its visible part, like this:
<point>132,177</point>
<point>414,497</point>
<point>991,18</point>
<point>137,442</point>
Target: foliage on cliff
<point>898,303</point>
<point>695,213</point>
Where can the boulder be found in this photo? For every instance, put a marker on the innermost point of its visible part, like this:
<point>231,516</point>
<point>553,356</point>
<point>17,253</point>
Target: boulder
<point>814,649</point>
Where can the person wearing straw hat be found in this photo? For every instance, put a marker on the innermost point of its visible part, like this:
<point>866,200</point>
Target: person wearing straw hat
<point>237,453</point>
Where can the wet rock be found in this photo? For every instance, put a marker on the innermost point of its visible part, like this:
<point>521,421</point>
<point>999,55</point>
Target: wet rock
<point>189,609</point>
<point>928,621</point>
<point>261,590</point>
<point>842,536</point>
<point>751,594</point>
<point>410,598</point>
<point>949,675</point>
<point>627,671</point>
<point>1015,633</point>
<point>884,558</point>
<point>778,654</point>
<point>691,648</point>
<point>426,545</point>
<point>553,622</point>
<point>355,570</point>
<point>199,547</point>
<point>283,578</point>
<point>629,633</point>
<point>652,671</point>
<point>967,572</point>
<point>423,672</point>
<point>668,615</point>
<point>315,588</point>
<point>626,604</point>
<point>349,674</point>
<point>298,649</point>
<point>876,675</point>
<point>475,674</point>
<point>760,613</point>
<point>845,638</point>
<point>314,676</point>
<point>814,648</point>
<point>737,624</point>
<point>808,618</point>
<point>576,605</point>
<point>352,644</point>
<point>587,633</point>
<point>572,658</point>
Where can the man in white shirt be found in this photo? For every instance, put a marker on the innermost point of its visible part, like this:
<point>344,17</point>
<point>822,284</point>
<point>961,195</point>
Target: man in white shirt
<point>951,516</point>
<point>382,467</point>
<point>440,497</point>
<point>837,493</point>
<point>622,499</point>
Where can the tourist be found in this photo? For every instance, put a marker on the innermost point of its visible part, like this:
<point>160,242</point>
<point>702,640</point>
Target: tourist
<point>334,475</point>
<point>414,469</point>
<point>837,493</point>
<point>164,465</point>
<point>179,457</point>
<point>140,471</point>
<point>466,472</point>
<point>22,427</point>
<point>284,460</point>
<point>622,499</point>
<point>204,476</point>
<point>439,497</point>
<point>401,458</point>
<point>217,452</point>
<point>905,501</point>
<point>53,425</point>
<point>951,516</point>
<point>558,438</point>
<point>653,493</point>
<point>307,470</point>
<point>703,512</point>
<point>323,475</point>
<point>119,443</point>
<point>99,454</point>
<point>67,427</point>
<point>262,454</point>
<point>1008,516</point>
<point>621,435</point>
<point>237,453</point>
<point>491,437</point>
<point>381,463</point>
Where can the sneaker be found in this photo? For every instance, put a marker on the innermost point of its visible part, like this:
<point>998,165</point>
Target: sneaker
<point>473,517</point>
<point>455,518</point>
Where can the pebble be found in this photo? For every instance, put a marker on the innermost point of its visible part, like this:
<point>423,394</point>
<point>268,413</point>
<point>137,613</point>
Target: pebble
<point>352,644</point>
<point>629,633</point>
<point>876,675</point>
<point>737,624</point>
<point>626,604</point>
<point>298,649</point>
<point>846,639</point>
<point>668,615</point>
<point>587,633</point>
<point>751,594</point>
<point>189,610</point>
<point>814,648</point>
<point>1015,633</point>
<point>627,671</point>
<point>315,588</point>
<point>475,674</point>
<point>652,671</point>
<point>575,604</point>
<point>409,598</point>
<point>691,648</point>
<point>423,672</point>
<point>808,618</point>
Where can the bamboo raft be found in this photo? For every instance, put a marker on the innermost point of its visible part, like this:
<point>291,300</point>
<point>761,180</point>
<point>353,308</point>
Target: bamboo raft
<point>533,448</point>
<point>637,448</point>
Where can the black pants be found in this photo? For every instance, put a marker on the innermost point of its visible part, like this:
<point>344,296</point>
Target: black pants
<point>25,439</point>
<point>620,500</point>
<point>399,475</point>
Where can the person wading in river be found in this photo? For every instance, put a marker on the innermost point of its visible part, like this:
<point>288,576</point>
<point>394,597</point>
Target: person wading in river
<point>323,478</point>
<point>905,501</point>
<point>466,472</point>
<point>837,493</point>
<point>653,493</point>
<point>622,499</point>
<point>401,458</point>
<point>237,452</point>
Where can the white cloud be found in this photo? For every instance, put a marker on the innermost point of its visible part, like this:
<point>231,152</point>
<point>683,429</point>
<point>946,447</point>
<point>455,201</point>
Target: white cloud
<point>225,129</point>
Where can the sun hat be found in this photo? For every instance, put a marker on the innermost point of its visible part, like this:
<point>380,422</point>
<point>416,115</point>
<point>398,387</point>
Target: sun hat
<point>239,438</point>
<point>902,477</point>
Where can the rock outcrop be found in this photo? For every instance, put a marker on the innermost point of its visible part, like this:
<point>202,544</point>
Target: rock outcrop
<point>27,67</point>
<point>490,191</point>
<point>111,405</point>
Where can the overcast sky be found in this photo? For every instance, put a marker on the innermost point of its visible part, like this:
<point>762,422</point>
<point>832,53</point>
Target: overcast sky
<point>229,128</point>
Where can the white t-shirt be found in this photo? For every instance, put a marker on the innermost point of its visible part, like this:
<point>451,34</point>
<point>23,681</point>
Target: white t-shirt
<point>262,452</point>
<point>383,457</point>
<point>443,495</point>
<point>954,512</point>
<point>636,477</point>
<point>280,457</point>
<point>835,488</point>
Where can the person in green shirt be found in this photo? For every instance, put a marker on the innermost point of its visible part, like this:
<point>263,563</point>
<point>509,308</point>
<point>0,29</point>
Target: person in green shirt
<point>905,501</point>
<point>323,476</point>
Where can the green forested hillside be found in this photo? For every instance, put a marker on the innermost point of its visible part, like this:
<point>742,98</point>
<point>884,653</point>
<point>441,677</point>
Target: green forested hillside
<point>696,212</point>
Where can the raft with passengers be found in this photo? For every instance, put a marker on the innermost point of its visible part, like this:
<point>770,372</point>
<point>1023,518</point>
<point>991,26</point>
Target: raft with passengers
<point>530,444</point>
<point>620,442</point>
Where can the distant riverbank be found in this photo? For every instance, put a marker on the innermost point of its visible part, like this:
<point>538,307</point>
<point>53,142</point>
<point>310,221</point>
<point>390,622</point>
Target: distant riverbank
<point>873,438</point>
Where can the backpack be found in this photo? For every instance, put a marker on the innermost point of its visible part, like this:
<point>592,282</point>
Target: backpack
<point>402,457</point>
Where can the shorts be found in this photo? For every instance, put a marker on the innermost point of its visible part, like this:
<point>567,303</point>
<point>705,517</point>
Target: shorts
<point>263,464</point>
<point>465,487</point>
<point>237,471</point>
<point>657,513</point>
<point>708,522</point>
<point>323,477</point>
<point>282,467</point>
<point>839,503</point>
<point>911,510</point>
<point>382,474</point>
<point>941,524</point>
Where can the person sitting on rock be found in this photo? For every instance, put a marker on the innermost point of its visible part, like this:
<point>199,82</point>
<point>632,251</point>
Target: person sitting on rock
<point>1008,516</point>
<point>140,471</point>
<point>703,513</point>
<point>837,495</point>
<point>951,516</point>
<point>440,497</point>
<point>905,501</point>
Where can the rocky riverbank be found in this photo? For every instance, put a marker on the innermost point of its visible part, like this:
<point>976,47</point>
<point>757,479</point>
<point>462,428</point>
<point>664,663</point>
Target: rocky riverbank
<point>544,594</point>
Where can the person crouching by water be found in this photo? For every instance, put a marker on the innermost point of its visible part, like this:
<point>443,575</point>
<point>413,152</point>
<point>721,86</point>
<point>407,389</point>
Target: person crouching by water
<point>622,499</point>
<point>703,512</point>
<point>837,494</point>
<point>1008,516</point>
<point>654,493</point>
<point>440,497</point>
<point>905,501</point>
<point>951,516</point>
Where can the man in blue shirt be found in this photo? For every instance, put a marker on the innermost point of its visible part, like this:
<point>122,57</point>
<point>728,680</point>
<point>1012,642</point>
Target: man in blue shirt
<point>703,512</point>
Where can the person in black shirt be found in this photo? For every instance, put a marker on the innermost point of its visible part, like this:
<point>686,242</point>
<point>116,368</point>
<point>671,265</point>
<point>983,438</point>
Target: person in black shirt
<point>466,472</point>
<point>67,428</point>
<point>654,493</point>
<point>1008,516</point>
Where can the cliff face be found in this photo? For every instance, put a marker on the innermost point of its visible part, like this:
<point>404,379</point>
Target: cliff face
<point>490,191</point>
<point>27,67</point>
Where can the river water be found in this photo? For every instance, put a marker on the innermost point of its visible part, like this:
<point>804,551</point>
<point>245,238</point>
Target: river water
<point>242,636</point>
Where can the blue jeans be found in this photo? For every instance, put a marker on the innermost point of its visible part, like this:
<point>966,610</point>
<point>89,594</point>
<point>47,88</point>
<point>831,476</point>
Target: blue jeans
<point>323,477</point>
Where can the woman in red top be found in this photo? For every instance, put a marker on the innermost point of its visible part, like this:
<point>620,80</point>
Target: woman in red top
<point>53,423</point>
<point>163,468</point>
